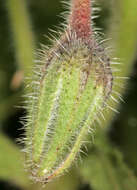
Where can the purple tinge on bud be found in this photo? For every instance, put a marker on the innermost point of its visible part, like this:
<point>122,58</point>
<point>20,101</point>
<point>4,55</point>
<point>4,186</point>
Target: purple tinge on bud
<point>80,18</point>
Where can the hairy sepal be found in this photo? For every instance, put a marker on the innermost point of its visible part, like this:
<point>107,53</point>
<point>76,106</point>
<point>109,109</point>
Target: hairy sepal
<point>72,88</point>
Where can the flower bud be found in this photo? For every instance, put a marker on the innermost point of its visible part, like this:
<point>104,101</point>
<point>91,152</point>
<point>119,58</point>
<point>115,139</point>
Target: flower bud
<point>70,88</point>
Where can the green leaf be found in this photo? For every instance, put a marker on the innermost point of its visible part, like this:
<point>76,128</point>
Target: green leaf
<point>11,162</point>
<point>105,168</point>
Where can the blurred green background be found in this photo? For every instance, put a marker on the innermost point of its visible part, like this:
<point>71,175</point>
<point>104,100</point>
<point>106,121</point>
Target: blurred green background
<point>111,160</point>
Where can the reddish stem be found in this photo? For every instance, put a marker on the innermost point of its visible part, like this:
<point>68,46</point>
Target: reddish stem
<point>80,18</point>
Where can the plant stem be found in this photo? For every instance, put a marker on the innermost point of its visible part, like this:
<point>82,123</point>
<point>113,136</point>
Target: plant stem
<point>22,34</point>
<point>80,18</point>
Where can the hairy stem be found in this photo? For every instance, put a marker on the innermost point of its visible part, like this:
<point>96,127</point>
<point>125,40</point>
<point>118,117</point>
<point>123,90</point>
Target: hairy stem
<point>80,18</point>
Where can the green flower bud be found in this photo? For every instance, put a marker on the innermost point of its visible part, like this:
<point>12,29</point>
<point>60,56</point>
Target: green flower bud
<point>69,90</point>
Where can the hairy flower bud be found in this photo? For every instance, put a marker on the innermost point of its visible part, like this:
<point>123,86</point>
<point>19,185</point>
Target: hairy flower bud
<point>68,92</point>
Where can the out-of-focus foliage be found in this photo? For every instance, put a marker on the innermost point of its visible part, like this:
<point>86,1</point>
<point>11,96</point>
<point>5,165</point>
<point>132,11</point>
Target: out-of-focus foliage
<point>111,161</point>
<point>105,168</point>
<point>10,162</point>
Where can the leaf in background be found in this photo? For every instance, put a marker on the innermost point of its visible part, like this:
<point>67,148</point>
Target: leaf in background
<point>105,169</point>
<point>11,163</point>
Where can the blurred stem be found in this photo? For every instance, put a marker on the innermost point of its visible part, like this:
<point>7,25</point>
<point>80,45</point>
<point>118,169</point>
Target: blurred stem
<point>124,35</point>
<point>24,46</point>
<point>22,34</point>
<point>127,33</point>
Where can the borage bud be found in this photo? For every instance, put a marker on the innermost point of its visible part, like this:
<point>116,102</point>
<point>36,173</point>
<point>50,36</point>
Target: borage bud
<point>70,88</point>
